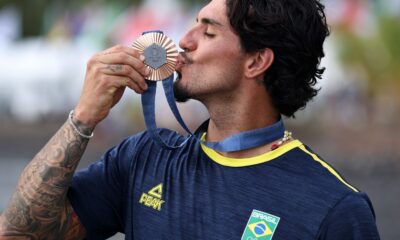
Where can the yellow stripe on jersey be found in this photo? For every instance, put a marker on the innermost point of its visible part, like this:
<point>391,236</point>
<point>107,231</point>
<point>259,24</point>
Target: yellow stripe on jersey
<point>330,169</point>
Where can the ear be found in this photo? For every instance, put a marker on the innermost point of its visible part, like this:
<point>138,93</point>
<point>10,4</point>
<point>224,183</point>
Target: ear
<point>258,62</point>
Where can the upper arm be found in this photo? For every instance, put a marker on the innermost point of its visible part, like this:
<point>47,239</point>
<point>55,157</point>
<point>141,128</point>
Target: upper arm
<point>352,218</point>
<point>98,193</point>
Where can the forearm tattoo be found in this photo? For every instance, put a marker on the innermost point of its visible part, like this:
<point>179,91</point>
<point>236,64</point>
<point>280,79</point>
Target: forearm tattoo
<point>39,208</point>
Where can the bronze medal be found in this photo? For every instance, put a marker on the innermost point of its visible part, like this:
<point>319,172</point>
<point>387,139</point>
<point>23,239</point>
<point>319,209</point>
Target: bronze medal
<point>160,52</point>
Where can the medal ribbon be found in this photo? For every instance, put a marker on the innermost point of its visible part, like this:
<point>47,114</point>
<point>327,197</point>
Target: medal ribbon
<point>237,142</point>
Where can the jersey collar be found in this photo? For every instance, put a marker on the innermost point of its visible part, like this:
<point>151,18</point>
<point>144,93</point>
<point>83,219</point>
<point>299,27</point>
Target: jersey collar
<point>244,162</point>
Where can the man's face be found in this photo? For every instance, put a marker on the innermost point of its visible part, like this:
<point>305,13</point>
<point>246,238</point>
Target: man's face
<point>212,64</point>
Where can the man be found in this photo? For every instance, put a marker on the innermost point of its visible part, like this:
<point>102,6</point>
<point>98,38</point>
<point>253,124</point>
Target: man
<point>249,62</point>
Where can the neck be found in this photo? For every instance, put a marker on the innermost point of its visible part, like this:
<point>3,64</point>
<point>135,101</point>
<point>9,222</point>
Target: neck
<point>243,113</point>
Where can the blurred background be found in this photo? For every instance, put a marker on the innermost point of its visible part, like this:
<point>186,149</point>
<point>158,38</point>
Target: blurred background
<point>353,123</point>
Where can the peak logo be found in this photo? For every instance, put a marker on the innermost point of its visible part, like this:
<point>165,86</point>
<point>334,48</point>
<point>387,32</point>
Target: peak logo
<point>153,198</point>
<point>261,226</point>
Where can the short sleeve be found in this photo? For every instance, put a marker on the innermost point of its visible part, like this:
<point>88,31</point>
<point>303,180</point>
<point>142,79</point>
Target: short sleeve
<point>353,218</point>
<point>97,193</point>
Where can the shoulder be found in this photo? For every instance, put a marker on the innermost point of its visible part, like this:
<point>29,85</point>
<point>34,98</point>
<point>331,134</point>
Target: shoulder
<point>348,212</point>
<point>134,148</point>
<point>320,172</point>
<point>167,135</point>
<point>352,217</point>
<point>143,147</point>
<point>306,176</point>
<point>144,140</point>
<point>344,212</point>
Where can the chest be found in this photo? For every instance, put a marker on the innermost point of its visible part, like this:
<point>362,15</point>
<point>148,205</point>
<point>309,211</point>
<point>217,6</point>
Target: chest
<point>208,202</point>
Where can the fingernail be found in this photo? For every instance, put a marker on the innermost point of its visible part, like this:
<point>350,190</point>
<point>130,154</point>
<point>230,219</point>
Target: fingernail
<point>142,57</point>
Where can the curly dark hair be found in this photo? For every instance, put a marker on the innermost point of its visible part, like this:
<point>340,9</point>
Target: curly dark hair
<point>295,30</point>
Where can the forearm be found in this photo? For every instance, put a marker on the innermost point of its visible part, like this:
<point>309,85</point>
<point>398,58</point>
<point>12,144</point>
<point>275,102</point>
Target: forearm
<point>38,208</point>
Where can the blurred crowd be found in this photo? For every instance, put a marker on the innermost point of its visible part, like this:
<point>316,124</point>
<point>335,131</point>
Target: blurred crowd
<point>41,75</point>
<point>42,69</point>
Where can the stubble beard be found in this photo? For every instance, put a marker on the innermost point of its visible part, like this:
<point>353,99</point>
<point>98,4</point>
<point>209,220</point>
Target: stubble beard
<point>181,94</point>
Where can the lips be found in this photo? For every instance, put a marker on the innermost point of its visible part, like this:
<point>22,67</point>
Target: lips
<point>182,60</point>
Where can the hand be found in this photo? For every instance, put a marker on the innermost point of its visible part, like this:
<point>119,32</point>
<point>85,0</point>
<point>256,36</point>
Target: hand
<point>108,73</point>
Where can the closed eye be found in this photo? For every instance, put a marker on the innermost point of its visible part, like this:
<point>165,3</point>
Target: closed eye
<point>210,35</point>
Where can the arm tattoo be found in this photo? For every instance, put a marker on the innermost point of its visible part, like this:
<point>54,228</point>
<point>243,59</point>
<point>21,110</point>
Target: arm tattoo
<point>39,208</point>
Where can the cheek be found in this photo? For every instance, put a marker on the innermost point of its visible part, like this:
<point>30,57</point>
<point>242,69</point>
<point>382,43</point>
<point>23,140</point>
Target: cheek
<point>218,57</point>
<point>226,51</point>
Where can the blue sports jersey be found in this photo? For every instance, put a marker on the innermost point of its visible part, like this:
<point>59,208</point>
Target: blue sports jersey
<point>148,192</point>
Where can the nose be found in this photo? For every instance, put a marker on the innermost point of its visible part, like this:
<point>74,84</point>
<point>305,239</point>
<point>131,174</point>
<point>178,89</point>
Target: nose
<point>188,41</point>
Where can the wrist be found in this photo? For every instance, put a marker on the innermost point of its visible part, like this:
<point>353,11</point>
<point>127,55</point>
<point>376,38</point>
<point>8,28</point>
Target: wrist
<point>81,128</point>
<point>83,118</point>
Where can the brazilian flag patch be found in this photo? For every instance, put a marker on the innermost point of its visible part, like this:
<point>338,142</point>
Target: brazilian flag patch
<point>261,226</point>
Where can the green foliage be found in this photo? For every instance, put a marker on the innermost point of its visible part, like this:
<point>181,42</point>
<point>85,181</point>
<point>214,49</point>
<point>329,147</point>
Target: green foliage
<point>33,12</point>
<point>193,2</point>
<point>378,54</point>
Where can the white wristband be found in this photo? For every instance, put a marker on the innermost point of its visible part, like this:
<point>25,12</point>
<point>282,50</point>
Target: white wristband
<point>71,114</point>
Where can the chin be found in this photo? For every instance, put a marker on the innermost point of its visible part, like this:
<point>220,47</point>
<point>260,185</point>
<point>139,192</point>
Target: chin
<point>180,92</point>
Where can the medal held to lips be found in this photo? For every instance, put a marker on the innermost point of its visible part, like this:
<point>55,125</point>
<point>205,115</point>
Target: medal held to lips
<point>160,54</point>
<point>161,57</point>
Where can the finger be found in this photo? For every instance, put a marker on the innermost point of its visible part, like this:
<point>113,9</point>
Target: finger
<point>119,48</point>
<point>117,82</point>
<point>134,86</point>
<point>125,71</point>
<point>125,59</point>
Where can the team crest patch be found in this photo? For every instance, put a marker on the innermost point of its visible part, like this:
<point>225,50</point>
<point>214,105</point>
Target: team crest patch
<point>261,226</point>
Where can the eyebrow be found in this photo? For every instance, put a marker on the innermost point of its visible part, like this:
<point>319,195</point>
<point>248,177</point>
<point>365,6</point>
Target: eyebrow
<point>210,21</point>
